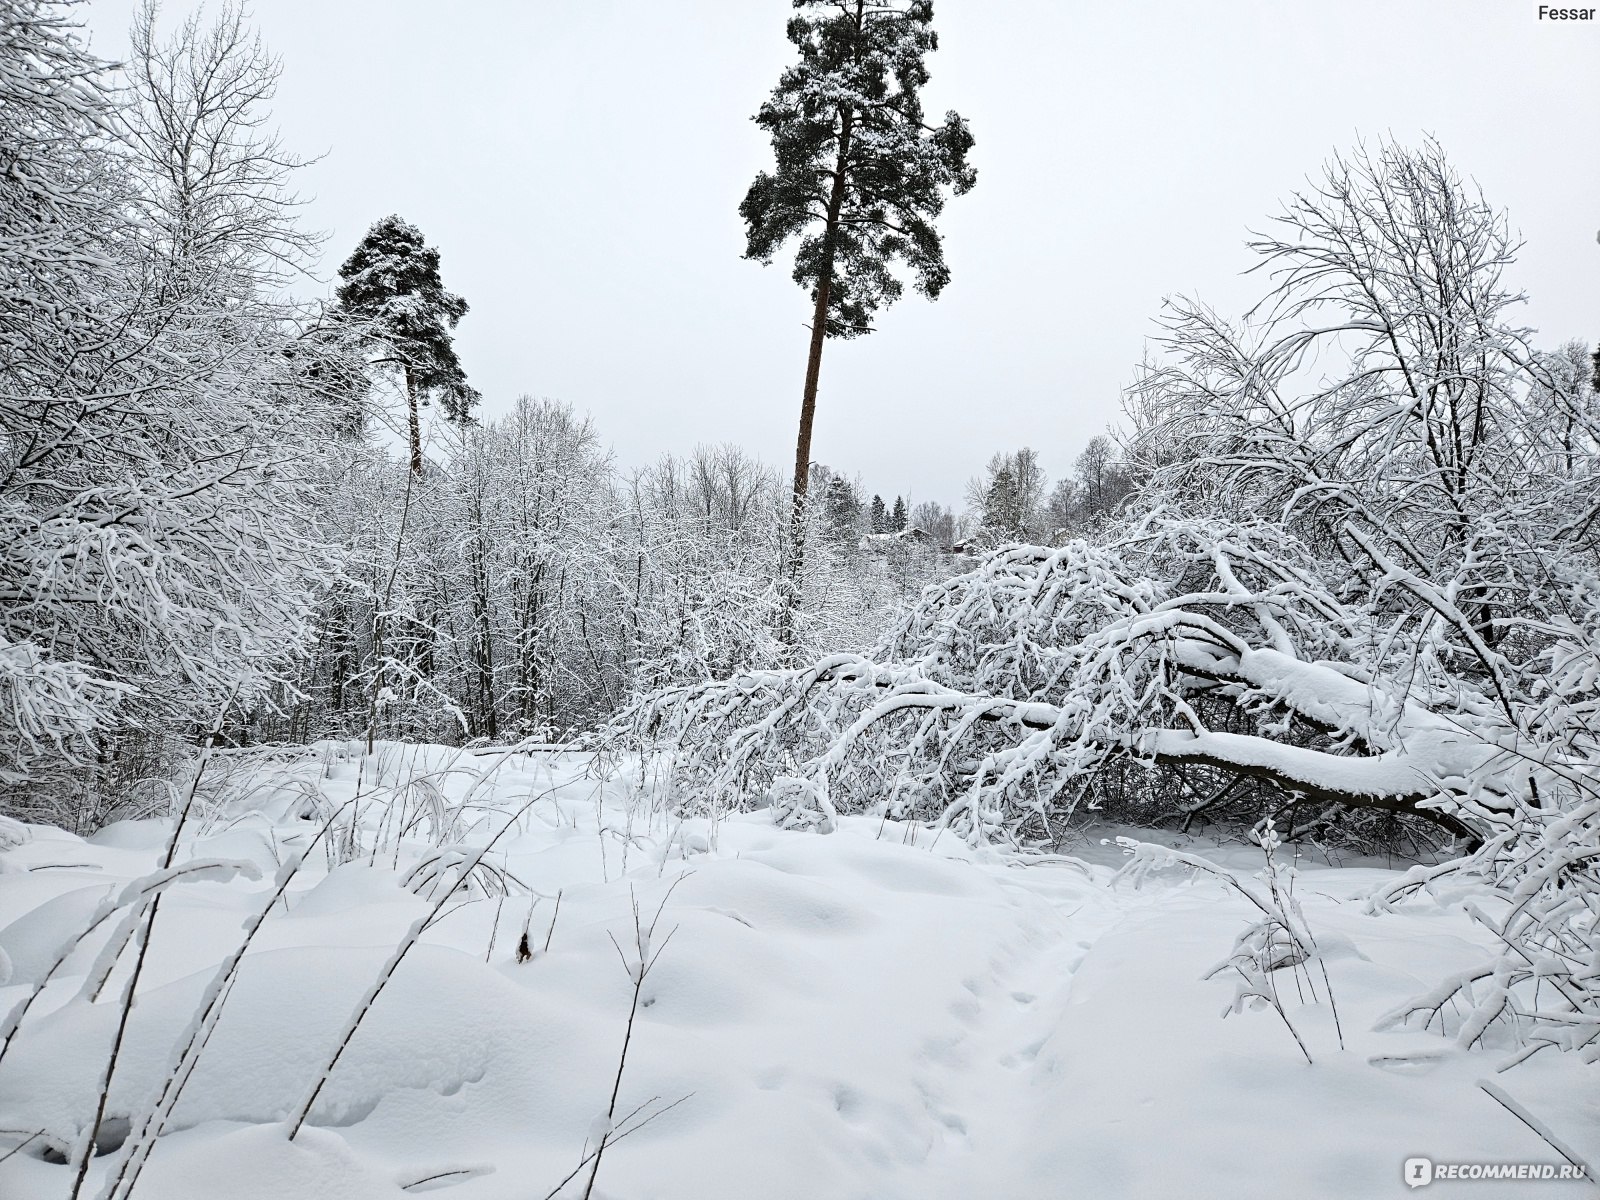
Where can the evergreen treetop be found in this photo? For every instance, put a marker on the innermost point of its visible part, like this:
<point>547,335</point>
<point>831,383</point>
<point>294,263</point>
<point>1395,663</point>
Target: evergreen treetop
<point>855,156</point>
<point>392,281</point>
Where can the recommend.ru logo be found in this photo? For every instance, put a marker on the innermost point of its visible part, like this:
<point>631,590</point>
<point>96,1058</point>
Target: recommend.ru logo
<point>1419,1172</point>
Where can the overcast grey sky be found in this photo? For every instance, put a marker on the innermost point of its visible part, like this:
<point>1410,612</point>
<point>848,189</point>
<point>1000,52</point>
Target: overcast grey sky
<point>579,164</point>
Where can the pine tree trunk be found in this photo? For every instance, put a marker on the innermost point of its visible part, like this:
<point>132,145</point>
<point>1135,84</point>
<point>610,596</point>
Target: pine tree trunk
<point>414,424</point>
<point>808,401</point>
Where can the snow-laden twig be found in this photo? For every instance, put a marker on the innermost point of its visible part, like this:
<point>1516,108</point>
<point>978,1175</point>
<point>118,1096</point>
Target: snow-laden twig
<point>1280,939</point>
<point>607,1129</point>
<point>409,940</point>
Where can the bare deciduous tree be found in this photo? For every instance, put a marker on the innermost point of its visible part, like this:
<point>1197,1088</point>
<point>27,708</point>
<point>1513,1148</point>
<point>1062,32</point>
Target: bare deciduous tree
<point>215,184</point>
<point>159,456</point>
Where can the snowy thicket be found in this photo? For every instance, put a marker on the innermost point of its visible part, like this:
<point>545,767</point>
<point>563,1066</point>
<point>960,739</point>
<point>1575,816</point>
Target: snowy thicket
<point>1356,589</point>
<point>1373,589</point>
<point>522,585</point>
<point>157,409</point>
<point>1011,692</point>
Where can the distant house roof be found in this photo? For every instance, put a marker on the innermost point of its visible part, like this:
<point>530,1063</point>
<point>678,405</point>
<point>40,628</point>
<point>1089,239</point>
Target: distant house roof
<point>882,541</point>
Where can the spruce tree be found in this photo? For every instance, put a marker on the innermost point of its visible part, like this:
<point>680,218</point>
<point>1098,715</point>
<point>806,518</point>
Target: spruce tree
<point>1002,510</point>
<point>859,178</point>
<point>897,519</point>
<point>842,511</point>
<point>391,282</point>
<point>880,515</point>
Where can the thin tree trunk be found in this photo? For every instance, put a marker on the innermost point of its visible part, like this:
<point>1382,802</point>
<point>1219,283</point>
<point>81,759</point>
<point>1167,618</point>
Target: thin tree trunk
<point>484,633</point>
<point>808,400</point>
<point>380,621</point>
<point>414,424</point>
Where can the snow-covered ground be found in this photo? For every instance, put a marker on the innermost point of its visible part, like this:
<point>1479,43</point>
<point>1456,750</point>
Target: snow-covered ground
<point>850,1015</point>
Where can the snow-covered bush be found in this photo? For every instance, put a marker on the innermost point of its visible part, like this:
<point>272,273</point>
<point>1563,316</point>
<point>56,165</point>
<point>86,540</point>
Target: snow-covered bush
<point>801,804</point>
<point>1280,939</point>
<point>1536,887</point>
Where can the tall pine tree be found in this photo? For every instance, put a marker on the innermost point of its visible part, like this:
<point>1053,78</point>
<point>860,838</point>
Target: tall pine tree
<point>392,283</point>
<point>859,178</point>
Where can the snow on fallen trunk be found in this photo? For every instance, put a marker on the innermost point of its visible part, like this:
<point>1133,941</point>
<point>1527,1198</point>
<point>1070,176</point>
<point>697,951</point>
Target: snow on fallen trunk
<point>1001,699</point>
